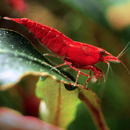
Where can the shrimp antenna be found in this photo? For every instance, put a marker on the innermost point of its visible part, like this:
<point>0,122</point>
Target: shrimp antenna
<point>125,67</point>
<point>108,68</point>
<point>122,53</point>
<point>124,50</point>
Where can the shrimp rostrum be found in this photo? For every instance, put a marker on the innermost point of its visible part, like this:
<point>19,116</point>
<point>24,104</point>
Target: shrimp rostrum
<point>75,54</point>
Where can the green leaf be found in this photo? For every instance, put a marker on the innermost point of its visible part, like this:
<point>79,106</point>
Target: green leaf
<point>92,102</point>
<point>58,105</point>
<point>19,57</point>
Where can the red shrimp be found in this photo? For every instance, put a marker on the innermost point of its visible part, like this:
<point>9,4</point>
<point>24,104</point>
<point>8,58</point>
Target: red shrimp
<point>75,54</point>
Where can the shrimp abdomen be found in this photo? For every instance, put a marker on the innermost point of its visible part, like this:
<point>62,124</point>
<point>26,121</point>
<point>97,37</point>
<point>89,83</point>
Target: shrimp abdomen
<point>55,40</point>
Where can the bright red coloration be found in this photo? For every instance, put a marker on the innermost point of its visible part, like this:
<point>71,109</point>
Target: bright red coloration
<point>18,5</point>
<point>75,54</point>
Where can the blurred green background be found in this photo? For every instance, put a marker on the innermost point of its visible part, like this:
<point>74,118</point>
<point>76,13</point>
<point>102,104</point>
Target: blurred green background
<point>105,24</point>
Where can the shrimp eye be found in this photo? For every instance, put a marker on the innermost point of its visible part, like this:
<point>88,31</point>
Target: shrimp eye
<point>102,52</point>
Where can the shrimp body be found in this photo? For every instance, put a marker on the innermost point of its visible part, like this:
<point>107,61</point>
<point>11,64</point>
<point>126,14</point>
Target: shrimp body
<point>83,54</point>
<point>75,54</point>
<point>54,40</point>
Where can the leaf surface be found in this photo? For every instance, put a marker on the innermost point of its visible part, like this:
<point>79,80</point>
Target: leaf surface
<point>58,105</point>
<point>92,102</point>
<point>18,56</point>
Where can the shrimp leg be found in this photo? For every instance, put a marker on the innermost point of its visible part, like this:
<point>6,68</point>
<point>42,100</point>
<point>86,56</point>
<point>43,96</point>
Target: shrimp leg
<point>79,72</point>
